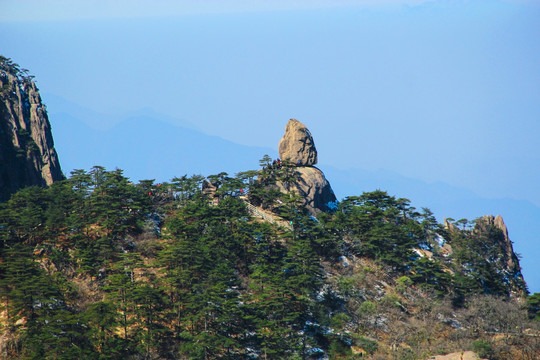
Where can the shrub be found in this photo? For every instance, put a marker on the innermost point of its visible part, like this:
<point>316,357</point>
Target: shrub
<point>403,283</point>
<point>339,321</point>
<point>368,345</point>
<point>482,348</point>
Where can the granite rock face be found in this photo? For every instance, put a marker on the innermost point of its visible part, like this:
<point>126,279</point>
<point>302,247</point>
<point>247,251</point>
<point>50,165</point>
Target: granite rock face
<point>312,186</point>
<point>297,145</point>
<point>297,149</point>
<point>27,154</point>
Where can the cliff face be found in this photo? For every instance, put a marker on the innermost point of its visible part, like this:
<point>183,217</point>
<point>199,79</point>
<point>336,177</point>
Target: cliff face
<point>27,154</point>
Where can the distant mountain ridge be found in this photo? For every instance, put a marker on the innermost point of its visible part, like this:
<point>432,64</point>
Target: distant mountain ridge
<point>101,120</point>
<point>145,147</point>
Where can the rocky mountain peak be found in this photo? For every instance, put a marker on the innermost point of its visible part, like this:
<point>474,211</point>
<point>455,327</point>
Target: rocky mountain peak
<point>297,145</point>
<point>27,151</point>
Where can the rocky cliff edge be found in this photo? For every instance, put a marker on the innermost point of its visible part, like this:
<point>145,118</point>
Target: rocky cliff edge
<point>27,151</point>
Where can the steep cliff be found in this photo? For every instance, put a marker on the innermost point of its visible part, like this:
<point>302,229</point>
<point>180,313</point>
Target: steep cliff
<point>27,151</point>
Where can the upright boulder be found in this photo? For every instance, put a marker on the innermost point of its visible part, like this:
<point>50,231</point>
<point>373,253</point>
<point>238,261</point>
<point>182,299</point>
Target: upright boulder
<point>297,145</point>
<point>27,151</point>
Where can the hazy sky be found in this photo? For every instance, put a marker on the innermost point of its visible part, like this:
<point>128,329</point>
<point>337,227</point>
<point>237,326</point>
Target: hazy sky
<point>35,10</point>
<point>435,90</point>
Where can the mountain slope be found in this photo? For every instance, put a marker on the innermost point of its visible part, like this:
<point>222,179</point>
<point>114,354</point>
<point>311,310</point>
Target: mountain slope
<point>146,147</point>
<point>98,267</point>
<point>450,202</point>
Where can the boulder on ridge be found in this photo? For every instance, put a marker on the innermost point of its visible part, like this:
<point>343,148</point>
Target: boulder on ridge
<point>298,151</point>
<point>297,145</point>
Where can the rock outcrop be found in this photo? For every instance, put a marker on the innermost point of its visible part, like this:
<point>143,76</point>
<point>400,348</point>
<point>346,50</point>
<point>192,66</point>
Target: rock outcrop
<point>509,257</point>
<point>298,148</point>
<point>27,151</point>
<point>493,233</point>
<point>486,248</point>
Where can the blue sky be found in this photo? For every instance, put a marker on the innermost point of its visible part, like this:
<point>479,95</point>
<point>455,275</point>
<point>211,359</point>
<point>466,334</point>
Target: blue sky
<point>440,91</point>
<point>36,10</point>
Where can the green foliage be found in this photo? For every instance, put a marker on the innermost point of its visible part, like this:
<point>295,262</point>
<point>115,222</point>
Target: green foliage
<point>381,227</point>
<point>368,345</point>
<point>9,66</point>
<point>367,308</point>
<point>264,192</point>
<point>480,263</point>
<point>429,274</point>
<point>265,161</point>
<point>76,282</point>
<point>51,328</point>
<point>391,300</point>
<point>482,348</point>
<point>402,283</point>
<point>339,321</point>
<point>339,349</point>
<point>348,285</point>
<point>533,306</point>
<point>27,144</point>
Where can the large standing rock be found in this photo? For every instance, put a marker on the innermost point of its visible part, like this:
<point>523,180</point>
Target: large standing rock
<point>297,173</point>
<point>297,145</point>
<point>27,154</point>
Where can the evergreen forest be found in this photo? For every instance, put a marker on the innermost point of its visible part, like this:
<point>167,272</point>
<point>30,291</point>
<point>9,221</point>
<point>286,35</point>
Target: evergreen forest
<point>98,267</point>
